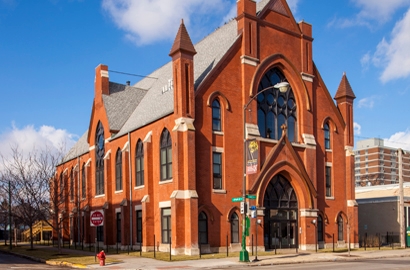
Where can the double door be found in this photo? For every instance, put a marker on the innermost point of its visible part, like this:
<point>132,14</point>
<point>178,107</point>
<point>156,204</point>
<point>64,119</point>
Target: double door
<point>281,234</point>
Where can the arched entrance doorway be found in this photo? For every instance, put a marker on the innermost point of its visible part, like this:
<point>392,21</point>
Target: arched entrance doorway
<point>281,214</point>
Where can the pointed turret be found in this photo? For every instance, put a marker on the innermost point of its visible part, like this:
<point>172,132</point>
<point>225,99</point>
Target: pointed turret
<point>182,54</point>
<point>344,90</point>
<point>182,42</point>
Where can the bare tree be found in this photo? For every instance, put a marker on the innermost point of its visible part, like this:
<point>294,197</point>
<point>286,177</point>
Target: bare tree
<point>34,188</point>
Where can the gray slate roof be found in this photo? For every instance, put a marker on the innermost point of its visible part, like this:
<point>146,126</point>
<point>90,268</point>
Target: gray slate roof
<point>148,100</point>
<point>80,148</point>
<point>120,103</point>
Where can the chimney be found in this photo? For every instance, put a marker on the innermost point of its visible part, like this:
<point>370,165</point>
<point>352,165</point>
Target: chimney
<point>102,80</point>
<point>128,83</point>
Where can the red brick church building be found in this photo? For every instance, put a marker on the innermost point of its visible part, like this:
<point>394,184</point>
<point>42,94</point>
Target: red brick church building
<point>163,159</point>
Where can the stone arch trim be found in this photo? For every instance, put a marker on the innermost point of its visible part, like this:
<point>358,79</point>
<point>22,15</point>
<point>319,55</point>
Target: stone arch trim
<point>222,98</point>
<point>292,75</point>
<point>234,209</point>
<point>207,211</point>
<point>331,122</point>
<point>304,190</point>
<point>344,216</point>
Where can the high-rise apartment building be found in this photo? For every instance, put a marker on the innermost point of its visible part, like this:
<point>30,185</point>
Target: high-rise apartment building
<point>376,164</point>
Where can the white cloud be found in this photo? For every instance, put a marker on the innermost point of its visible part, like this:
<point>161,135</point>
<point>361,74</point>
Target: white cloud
<point>29,138</point>
<point>372,13</point>
<point>395,55</point>
<point>380,10</point>
<point>367,102</point>
<point>357,128</point>
<point>399,140</point>
<point>147,21</point>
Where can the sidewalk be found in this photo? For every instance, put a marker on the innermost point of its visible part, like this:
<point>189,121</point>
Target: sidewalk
<point>231,262</point>
<point>287,257</point>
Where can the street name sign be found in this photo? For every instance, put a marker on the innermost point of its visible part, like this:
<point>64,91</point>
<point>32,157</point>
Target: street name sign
<point>237,199</point>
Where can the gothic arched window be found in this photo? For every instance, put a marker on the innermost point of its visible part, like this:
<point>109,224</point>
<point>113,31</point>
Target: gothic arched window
<point>275,108</point>
<point>99,159</point>
<point>166,155</point>
<point>118,170</point>
<point>216,116</point>
<point>139,164</point>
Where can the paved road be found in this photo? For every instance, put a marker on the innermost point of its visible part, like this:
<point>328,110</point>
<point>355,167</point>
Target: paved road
<point>8,261</point>
<point>369,264</point>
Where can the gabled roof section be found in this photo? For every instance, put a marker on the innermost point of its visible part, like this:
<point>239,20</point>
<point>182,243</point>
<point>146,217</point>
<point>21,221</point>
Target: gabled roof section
<point>281,155</point>
<point>275,5</point>
<point>81,147</point>
<point>182,41</point>
<point>120,103</point>
<point>344,90</point>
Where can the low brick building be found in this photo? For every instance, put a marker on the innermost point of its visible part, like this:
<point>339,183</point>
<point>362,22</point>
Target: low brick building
<point>164,159</point>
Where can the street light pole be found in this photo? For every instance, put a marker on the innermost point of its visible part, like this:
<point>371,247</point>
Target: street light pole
<point>283,87</point>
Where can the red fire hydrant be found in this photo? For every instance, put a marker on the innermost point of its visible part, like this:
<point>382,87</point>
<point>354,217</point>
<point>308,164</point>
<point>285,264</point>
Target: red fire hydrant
<point>101,257</point>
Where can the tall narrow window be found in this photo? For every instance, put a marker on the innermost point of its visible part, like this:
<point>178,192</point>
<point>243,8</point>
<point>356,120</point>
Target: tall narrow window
<point>139,164</point>
<point>100,233</point>
<point>340,228</point>
<point>319,228</point>
<point>203,228</point>
<point>327,135</point>
<point>139,226</point>
<point>217,170</point>
<point>118,170</point>
<point>234,228</point>
<point>216,116</point>
<point>276,108</point>
<point>61,193</point>
<point>72,184</point>
<point>166,155</point>
<point>166,225</point>
<point>328,181</point>
<point>119,227</point>
<point>99,159</point>
<point>83,181</point>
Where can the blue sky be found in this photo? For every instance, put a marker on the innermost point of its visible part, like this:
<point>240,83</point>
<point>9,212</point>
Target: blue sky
<point>49,50</point>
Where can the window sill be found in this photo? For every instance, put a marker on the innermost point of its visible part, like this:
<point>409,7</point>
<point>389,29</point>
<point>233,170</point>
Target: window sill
<point>99,196</point>
<point>118,191</point>
<point>139,187</point>
<point>330,198</point>
<point>329,150</point>
<point>219,191</point>
<point>165,181</point>
<point>218,133</point>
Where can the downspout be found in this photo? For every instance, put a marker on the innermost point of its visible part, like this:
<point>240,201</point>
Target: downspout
<point>130,177</point>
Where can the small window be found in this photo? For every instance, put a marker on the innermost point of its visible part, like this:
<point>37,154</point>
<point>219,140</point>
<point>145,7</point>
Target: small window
<point>166,225</point>
<point>328,181</point>
<point>100,233</point>
<point>118,170</point>
<point>340,228</point>
<point>166,155</point>
<point>139,226</point>
<point>119,227</point>
<point>234,228</point>
<point>319,228</point>
<point>327,135</point>
<point>216,116</point>
<point>139,164</point>
<point>203,228</point>
<point>217,170</point>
